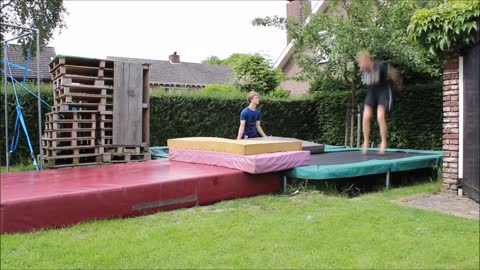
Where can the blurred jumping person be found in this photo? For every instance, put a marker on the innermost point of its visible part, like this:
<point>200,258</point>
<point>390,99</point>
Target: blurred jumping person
<point>379,96</point>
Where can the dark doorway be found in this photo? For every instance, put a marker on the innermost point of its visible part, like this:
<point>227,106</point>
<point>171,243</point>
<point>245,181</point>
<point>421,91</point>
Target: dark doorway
<point>471,135</point>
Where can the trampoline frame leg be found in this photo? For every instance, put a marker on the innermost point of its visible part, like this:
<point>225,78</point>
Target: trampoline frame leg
<point>284,184</point>
<point>387,180</point>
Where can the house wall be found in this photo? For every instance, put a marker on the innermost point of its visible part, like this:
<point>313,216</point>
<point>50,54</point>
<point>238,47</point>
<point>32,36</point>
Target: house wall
<point>290,68</point>
<point>298,9</point>
<point>296,88</point>
<point>450,120</point>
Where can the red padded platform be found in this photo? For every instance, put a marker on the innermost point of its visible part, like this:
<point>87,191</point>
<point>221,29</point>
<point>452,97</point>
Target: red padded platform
<point>55,198</point>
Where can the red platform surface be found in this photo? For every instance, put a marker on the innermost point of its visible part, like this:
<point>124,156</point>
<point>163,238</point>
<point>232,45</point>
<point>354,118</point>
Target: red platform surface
<point>55,198</point>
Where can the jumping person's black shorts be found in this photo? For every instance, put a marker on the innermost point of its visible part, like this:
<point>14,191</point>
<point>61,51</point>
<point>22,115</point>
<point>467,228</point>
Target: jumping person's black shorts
<point>379,96</point>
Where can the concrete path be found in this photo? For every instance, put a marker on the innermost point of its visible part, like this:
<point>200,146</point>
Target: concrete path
<point>444,201</point>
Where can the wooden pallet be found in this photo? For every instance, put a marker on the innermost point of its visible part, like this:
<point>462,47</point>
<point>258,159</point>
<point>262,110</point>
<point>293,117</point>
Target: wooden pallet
<point>69,107</point>
<point>69,142</point>
<point>106,116</point>
<point>69,152</point>
<point>121,149</point>
<point>95,94</point>
<point>70,133</point>
<point>106,124</point>
<point>72,79</point>
<point>68,125</point>
<point>105,140</point>
<point>125,157</point>
<point>84,88</point>
<point>84,98</point>
<point>81,70</point>
<point>79,66</point>
<point>70,88</point>
<point>73,161</point>
<point>71,116</point>
<point>106,137</point>
<point>80,61</point>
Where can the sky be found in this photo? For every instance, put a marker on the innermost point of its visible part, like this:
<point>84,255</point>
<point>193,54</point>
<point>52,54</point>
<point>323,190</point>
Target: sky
<point>155,29</point>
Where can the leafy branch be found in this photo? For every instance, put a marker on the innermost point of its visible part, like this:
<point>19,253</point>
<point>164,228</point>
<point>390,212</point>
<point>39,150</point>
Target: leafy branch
<point>451,25</point>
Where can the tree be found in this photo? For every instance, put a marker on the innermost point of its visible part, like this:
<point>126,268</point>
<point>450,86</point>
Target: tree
<point>235,59</point>
<point>231,61</point>
<point>256,73</point>
<point>250,72</point>
<point>379,26</point>
<point>212,60</point>
<point>45,15</point>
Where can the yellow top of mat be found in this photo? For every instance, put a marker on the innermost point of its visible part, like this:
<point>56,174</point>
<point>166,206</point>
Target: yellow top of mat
<point>242,147</point>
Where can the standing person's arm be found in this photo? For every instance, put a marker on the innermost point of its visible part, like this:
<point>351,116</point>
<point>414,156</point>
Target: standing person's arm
<point>259,129</point>
<point>241,129</point>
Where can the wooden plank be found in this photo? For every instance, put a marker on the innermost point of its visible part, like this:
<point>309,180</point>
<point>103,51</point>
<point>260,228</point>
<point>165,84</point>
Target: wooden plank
<point>146,102</point>
<point>119,110</point>
<point>86,86</point>
<point>134,94</point>
<point>127,104</point>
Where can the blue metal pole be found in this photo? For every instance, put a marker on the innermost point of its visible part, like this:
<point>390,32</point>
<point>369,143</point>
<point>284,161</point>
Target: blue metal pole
<point>6,107</point>
<point>39,101</point>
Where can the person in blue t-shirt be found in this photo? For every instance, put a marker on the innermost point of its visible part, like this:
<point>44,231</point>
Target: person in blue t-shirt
<point>250,119</point>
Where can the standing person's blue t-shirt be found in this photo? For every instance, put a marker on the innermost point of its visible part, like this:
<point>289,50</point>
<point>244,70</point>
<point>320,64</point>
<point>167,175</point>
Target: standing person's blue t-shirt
<point>251,117</point>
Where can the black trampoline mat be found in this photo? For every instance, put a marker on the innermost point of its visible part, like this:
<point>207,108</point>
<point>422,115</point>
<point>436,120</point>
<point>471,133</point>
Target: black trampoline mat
<point>345,157</point>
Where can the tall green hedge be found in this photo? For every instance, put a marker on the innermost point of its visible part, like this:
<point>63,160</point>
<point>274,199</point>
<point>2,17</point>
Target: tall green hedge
<point>415,121</point>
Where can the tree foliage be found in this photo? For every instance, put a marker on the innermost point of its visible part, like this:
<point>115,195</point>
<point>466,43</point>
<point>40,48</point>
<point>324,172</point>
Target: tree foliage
<point>256,73</point>
<point>231,61</point>
<point>44,15</point>
<point>379,26</point>
<point>212,60</point>
<point>326,46</point>
<point>453,24</point>
<point>251,72</point>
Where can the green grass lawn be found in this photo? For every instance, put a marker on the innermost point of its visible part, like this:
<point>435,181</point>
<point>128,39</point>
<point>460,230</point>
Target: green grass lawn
<point>270,231</point>
<point>18,168</point>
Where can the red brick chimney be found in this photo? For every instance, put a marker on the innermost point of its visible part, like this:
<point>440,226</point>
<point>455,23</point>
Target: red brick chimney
<point>298,9</point>
<point>174,58</point>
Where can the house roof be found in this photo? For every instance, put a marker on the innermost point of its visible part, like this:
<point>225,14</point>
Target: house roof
<point>182,74</point>
<point>289,49</point>
<point>15,56</point>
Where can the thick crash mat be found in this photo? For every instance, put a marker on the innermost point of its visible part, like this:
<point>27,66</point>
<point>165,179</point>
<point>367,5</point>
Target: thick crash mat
<point>261,163</point>
<point>314,148</point>
<point>241,147</point>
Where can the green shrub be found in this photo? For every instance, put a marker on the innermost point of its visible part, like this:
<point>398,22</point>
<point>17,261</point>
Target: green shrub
<point>221,89</point>
<point>279,93</point>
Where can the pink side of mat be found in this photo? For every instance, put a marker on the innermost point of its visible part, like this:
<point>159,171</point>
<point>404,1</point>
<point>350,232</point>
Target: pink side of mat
<point>261,163</point>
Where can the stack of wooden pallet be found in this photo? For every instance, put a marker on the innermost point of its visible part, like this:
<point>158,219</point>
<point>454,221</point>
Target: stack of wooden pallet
<point>79,129</point>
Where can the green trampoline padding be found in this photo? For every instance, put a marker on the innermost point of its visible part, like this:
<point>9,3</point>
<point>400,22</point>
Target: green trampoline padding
<point>342,162</point>
<point>158,151</point>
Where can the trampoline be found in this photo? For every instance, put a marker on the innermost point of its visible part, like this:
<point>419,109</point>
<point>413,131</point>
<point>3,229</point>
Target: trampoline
<point>343,162</point>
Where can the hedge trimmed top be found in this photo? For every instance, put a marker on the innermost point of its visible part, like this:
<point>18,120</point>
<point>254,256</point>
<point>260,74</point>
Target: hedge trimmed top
<point>451,25</point>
